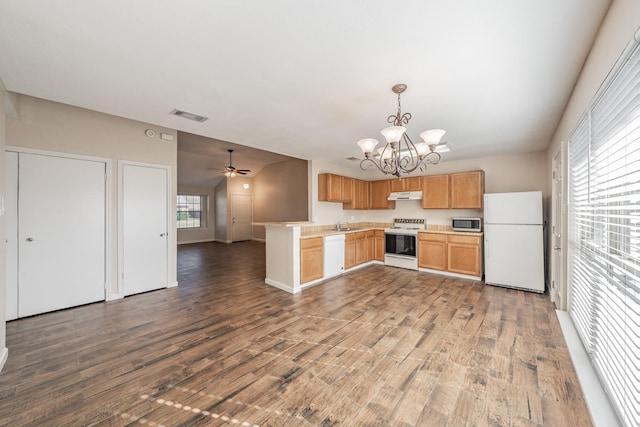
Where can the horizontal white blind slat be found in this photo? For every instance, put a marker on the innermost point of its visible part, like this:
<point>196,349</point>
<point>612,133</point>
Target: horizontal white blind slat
<point>604,236</point>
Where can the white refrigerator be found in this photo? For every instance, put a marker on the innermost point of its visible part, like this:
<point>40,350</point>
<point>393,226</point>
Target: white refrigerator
<point>513,240</point>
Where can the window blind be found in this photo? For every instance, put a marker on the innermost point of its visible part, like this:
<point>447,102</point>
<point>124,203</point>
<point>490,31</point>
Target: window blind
<point>604,236</point>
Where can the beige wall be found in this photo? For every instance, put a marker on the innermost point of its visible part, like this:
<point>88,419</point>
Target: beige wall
<point>51,126</point>
<point>280,193</point>
<point>617,30</point>
<point>3,335</point>
<point>221,207</point>
<point>207,233</point>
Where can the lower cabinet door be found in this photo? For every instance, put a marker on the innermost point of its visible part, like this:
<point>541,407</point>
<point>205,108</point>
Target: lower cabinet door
<point>464,258</point>
<point>432,255</point>
<point>349,250</point>
<point>311,259</point>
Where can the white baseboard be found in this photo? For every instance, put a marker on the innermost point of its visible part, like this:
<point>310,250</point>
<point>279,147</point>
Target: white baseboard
<point>3,357</point>
<point>172,284</point>
<point>600,409</point>
<point>447,273</point>
<point>258,240</point>
<point>280,285</point>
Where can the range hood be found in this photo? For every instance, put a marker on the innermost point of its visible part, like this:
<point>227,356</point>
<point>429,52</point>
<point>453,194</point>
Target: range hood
<point>405,195</point>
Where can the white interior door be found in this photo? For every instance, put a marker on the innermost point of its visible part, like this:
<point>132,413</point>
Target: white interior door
<point>61,233</point>
<point>144,228</point>
<point>241,217</point>
<point>11,205</point>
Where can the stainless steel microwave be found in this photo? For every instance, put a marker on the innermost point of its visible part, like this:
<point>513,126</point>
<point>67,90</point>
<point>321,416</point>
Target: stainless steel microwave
<point>467,224</point>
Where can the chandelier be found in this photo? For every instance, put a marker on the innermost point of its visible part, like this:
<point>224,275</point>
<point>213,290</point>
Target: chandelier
<point>401,156</point>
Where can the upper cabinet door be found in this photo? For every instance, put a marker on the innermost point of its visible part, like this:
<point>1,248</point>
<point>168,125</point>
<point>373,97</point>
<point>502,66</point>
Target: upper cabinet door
<point>467,189</point>
<point>380,194</point>
<point>406,184</point>
<point>334,188</point>
<point>435,192</point>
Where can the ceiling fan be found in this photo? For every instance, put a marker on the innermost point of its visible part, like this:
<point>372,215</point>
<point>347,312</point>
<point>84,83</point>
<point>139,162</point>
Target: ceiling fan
<point>230,171</point>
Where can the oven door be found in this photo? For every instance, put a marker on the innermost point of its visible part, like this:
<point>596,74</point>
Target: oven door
<point>400,244</point>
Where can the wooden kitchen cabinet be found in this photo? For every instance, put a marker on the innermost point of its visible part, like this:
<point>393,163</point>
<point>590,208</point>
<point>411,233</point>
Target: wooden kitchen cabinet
<point>378,252</point>
<point>349,250</point>
<point>361,247</point>
<point>456,253</point>
<point>464,254</point>
<point>371,245</point>
<point>406,184</point>
<point>380,193</point>
<point>432,251</point>
<point>360,195</point>
<point>334,188</point>
<point>311,259</point>
<point>347,189</point>
<point>435,192</point>
<point>467,190</point>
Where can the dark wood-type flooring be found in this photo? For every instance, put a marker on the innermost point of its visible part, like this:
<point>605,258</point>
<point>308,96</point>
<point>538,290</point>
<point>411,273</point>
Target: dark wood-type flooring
<point>377,346</point>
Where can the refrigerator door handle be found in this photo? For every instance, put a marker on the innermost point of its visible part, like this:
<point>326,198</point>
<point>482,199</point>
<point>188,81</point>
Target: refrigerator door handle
<point>486,248</point>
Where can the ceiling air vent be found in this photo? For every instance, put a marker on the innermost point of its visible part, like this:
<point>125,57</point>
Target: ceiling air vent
<point>189,116</point>
<point>353,159</point>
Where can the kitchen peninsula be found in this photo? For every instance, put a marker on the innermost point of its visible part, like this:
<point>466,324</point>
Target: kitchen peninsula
<point>295,251</point>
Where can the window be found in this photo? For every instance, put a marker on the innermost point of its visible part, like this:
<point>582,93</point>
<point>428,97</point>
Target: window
<point>190,209</point>
<point>604,236</point>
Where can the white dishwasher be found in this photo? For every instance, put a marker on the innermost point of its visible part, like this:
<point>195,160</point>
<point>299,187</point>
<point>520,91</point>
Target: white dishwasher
<point>333,255</point>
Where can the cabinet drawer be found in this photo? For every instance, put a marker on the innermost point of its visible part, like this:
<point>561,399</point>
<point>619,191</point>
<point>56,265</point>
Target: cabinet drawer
<point>469,240</point>
<point>432,237</point>
<point>313,242</point>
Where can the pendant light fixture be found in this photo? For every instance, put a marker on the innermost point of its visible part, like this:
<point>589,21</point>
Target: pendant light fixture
<point>400,156</point>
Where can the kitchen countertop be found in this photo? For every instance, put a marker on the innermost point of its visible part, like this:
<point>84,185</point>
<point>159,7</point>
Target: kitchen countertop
<point>329,232</point>
<point>283,224</point>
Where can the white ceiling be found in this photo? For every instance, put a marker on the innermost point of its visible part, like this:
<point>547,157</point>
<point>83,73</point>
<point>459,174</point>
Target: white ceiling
<point>309,78</point>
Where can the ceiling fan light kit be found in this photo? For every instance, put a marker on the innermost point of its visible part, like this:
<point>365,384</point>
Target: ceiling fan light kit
<point>400,156</point>
<point>231,171</point>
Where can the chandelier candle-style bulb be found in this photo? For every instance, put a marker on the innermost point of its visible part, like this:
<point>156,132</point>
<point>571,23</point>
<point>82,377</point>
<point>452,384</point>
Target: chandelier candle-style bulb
<point>432,136</point>
<point>367,146</point>
<point>423,149</point>
<point>393,133</point>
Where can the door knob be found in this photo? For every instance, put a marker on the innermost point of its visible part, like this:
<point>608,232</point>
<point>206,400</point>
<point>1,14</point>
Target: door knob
<point>163,234</point>
<point>29,239</point>
<point>557,248</point>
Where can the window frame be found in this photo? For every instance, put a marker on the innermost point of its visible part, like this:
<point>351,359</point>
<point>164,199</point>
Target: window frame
<point>191,202</point>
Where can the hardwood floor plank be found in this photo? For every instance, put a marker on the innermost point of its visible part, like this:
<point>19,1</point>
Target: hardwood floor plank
<point>378,346</point>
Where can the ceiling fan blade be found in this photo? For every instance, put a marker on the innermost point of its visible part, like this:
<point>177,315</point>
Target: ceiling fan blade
<point>243,170</point>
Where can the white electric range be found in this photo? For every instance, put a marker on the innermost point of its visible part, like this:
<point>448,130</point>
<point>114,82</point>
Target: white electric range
<point>401,243</point>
